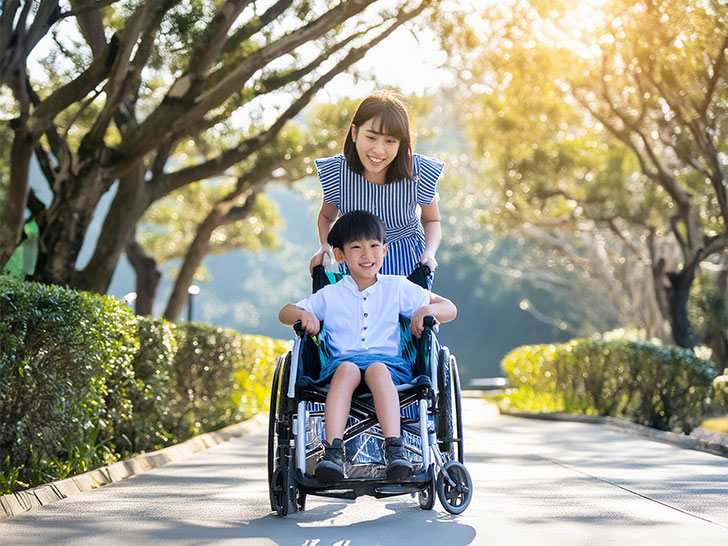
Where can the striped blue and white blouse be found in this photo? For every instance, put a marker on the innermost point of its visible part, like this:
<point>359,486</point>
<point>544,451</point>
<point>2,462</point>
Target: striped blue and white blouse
<point>395,204</point>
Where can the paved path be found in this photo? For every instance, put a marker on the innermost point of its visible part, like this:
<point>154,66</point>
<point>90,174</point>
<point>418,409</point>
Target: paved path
<point>537,482</point>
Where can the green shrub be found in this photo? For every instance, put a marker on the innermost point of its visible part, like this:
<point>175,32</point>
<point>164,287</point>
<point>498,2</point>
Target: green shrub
<point>59,350</point>
<point>220,376</point>
<point>153,366</point>
<point>664,387</point>
<point>83,382</point>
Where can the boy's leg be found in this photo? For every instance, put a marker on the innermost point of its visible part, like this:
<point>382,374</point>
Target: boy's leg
<point>330,467</point>
<point>386,404</point>
<point>386,399</point>
<point>338,400</point>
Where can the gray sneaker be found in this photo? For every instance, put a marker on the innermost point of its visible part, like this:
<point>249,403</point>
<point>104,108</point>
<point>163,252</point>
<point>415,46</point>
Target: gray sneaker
<point>398,467</point>
<point>330,467</point>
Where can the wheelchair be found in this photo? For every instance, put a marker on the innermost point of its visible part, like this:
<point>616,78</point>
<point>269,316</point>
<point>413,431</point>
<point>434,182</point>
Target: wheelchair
<point>431,424</point>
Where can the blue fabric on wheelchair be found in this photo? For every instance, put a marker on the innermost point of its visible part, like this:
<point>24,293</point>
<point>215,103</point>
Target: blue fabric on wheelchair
<point>401,367</point>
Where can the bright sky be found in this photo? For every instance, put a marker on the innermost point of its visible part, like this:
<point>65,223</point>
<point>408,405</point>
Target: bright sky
<point>403,60</point>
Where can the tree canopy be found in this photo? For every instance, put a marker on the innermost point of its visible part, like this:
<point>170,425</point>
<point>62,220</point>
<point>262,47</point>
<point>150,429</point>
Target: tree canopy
<point>147,97</point>
<point>602,127</point>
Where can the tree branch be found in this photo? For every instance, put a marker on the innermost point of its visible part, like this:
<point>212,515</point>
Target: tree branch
<point>229,157</point>
<point>184,104</point>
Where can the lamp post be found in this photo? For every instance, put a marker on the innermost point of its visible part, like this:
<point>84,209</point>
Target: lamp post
<point>192,291</point>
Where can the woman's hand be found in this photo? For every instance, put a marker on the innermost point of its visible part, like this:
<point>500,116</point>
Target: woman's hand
<point>322,257</point>
<point>428,259</point>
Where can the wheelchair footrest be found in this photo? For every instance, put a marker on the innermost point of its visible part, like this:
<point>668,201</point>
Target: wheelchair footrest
<point>350,488</point>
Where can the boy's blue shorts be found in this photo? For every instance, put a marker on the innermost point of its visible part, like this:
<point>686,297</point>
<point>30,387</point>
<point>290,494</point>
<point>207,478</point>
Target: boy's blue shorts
<point>399,368</point>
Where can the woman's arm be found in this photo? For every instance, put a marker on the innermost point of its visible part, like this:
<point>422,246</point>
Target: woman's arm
<point>326,218</point>
<point>433,233</point>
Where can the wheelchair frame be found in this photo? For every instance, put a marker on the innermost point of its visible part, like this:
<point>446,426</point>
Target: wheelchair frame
<point>431,417</point>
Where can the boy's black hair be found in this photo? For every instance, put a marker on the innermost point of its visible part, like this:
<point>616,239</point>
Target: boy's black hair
<point>355,226</point>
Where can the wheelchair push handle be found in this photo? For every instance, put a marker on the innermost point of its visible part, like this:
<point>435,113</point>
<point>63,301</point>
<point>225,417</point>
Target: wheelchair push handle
<point>431,323</point>
<point>298,328</point>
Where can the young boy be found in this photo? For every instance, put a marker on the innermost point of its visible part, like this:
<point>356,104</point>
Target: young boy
<point>361,313</point>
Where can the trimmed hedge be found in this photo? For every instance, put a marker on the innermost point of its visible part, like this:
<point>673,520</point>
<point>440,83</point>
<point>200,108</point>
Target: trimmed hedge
<point>65,370</point>
<point>153,366</point>
<point>84,382</point>
<point>220,377</point>
<point>664,387</point>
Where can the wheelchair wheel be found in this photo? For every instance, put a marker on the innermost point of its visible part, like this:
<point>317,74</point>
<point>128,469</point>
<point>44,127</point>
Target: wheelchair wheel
<point>272,424</point>
<point>279,491</point>
<point>426,497</point>
<point>300,499</point>
<point>445,403</point>
<point>455,494</point>
<point>285,404</point>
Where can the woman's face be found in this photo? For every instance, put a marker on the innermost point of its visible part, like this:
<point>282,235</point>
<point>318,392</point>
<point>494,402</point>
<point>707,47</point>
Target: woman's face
<point>376,150</point>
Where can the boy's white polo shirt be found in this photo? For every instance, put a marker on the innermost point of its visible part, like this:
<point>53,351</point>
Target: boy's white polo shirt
<point>365,321</point>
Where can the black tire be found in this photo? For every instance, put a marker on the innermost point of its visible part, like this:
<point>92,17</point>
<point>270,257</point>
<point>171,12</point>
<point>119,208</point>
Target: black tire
<point>300,499</point>
<point>285,404</point>
<point>457,397</point>
<point>279,491</point>
<point>455,497</point>
<point>445,404</point>
<point>272,424</point>
<point>426,497</point>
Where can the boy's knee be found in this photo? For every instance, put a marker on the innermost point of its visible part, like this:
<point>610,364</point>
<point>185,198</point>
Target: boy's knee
<point>378,371</point>
<point>348,370</point>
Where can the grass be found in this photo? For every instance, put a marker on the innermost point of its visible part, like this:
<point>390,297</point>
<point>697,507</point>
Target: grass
<point>716,424</point>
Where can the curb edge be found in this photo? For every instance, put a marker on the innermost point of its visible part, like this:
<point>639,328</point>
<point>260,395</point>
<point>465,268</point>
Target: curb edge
<point>12,504</point>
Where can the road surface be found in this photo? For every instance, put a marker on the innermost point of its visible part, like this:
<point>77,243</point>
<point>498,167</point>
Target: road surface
<point>536,482</point>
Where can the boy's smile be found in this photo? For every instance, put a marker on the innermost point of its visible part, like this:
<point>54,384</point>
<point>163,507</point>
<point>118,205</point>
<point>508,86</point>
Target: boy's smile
<point>364,259</point>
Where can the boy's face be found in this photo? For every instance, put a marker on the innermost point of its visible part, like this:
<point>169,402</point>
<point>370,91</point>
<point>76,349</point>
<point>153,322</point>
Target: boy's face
<point>363,258</point>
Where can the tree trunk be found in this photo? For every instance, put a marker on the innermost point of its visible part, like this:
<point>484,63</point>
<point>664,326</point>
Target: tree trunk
<point>64,224</point>
<point>129,204</point>
<point>147,277</point>
<point>194,256</point>
<point>678,292</point>
<point>198,248</point>
<point>11,221</point>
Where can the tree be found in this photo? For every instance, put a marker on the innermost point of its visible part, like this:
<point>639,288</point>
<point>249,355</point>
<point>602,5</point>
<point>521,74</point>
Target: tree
<point>119,102</point>
<point>612,119</point>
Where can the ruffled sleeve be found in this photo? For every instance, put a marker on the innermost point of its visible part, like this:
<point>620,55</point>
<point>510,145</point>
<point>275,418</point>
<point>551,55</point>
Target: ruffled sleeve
<point>427,173</point>
<point>329,172</point>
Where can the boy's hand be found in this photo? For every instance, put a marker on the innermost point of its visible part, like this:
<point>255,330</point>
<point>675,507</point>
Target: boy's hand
<point>417,322</point>
<point>309,323</point>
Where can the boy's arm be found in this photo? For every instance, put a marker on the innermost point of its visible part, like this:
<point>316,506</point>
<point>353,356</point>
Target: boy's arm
<point>289,314</point>
<point>441,308</point>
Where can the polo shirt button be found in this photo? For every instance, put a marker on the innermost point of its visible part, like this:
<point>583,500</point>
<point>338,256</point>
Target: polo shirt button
<point>362,339</point>
<point>366,314</point>
<point>364,328</point>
